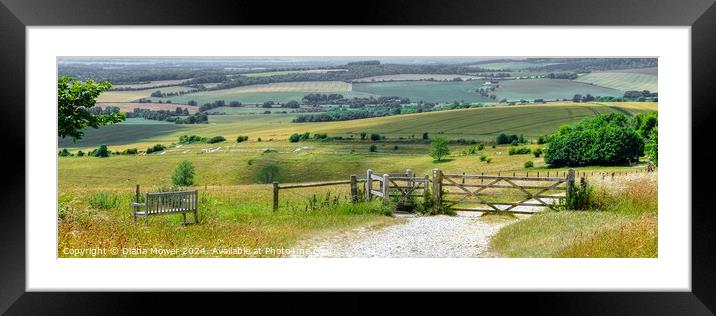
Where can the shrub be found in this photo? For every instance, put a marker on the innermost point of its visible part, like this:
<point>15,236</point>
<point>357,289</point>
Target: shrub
<point>241,139</point>
<point>100,151</point>
<point>294,138</point>
<point>130,151</point>
<point>395,147</point>
<point>216,139</point>
<point>581,197</point>
<point>529,164</point>
<point>480,146</point>
<point>601,140</point>
<point>483,157</point>
<point>439,148</point>
<point>488,159</point>
<point>363,135</point>
<point>470,150</point>
<point>320,136</point>
<point>80,153</point>
<point>373,148</point>
<point>103,201</point>
<point>537,152</point>
<point>188,139</point>
<point>267,173</point>
<point>156,148</point>
<point>64,152</point>
<point>374,137</point>
<point>258,140</point>
<point>426,136</point>
<point>519,150</point>
<point>183,174</point>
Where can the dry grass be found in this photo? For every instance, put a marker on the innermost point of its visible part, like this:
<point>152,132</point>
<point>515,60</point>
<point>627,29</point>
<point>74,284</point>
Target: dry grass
<point>624,224</point>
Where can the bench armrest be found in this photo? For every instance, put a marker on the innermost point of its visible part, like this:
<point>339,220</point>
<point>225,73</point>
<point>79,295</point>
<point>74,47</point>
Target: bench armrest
<point>138,204</point>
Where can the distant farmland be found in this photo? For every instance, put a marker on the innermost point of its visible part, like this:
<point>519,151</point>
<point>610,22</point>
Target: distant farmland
<point>151,84</point>
<point>623,81</point>
<point>287,72</point>
<point>530,89</point>
<point>429,91</point>
<point>135,95</point>
<point>277,92</point>
<point>480,124</point>
<point>130,106</point>
<point>413,77</point>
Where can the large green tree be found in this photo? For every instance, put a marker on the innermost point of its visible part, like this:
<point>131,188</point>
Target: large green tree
<point>602,140</point>
<point>74,99</point>
<point>439,148</point>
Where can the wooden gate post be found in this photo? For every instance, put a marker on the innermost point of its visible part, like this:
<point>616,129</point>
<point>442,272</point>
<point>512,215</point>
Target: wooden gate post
<point>275,196</point>
<point>136,195</point>
<point>409,174</point>
<point>425,189</point>
<point>386,185</point>
<point>368,185</point>
<point>437,189</point>
<point>570,184</point>
<point>354,188</point>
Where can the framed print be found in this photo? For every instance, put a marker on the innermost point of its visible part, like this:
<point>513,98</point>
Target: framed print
<point>435,148</point>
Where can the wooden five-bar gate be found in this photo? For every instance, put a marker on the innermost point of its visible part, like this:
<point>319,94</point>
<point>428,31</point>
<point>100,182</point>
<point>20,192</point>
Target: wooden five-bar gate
<point>498,193</point>
<point>494,193</point>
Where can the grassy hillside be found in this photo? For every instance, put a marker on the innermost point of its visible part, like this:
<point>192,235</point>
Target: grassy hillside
<point>482,124</point>
<point>530,89</point>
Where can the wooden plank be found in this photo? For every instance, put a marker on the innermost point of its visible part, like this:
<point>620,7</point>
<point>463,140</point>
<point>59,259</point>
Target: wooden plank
<point>485,210</point>
<point>494,203</point>
<point>506,194</point>
<point>545,179</point>
<point>497,186</point>
<point>378,193</point>
<point>313,184</point>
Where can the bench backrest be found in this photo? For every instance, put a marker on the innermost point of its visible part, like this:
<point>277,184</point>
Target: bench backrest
<point>171,202</point>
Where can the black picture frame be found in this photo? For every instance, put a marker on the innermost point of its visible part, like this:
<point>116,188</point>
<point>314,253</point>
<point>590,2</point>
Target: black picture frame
<point>15,15</point>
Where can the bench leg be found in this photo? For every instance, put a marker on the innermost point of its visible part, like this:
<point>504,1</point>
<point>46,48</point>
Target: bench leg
<point>183,218</point>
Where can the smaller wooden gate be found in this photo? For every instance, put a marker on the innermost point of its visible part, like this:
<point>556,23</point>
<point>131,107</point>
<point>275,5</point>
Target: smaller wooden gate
<point>403,186</point>
<point>498,193</point>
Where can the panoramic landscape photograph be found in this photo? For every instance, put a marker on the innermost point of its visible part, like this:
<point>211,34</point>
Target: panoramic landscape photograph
<point>357,157</point>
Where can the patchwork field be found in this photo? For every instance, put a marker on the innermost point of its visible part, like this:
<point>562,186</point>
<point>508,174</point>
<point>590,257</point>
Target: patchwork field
<point>414,77</point>
<point>427,91</point>
<point>512,65</point>
<point>623,81</point>
<point>287,72</point>
<point>151,84</point>
<point>550,89</point>
<point>134,95</point>
<point>130,106</point>
<point>277,92</point>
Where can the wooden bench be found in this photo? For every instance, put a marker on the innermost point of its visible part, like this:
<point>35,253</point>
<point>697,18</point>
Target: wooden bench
<point>161,203</point>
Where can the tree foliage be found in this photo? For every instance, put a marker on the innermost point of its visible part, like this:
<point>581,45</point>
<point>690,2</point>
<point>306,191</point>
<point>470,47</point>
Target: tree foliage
<point>439,148</point>
<point>602,140</point>
<point>183,174</point>
<point>74,99</point>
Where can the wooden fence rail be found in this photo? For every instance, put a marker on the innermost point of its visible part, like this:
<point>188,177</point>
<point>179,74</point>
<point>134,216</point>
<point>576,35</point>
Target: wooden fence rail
<point>353,181</point>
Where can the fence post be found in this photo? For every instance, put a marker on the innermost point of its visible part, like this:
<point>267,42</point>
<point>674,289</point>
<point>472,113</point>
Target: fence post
<point>437,189</point>
<point>275,196</point>
<point>136,195</point>
<point>425,189</point>
<point>354,188</point>
<point>570,184</point>
<point>409,174</point>
<point>368,185</point>
<point>386,192</point>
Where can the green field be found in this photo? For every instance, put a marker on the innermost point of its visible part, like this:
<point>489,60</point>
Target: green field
<point>134,95</point>
<point>238,163</point>
<point>427,91</point>
<point>414,77</point>
<point>288,72</point>
<point>549,89</point>
<point>512,65</point>
<point>623,81</point>
<point>278,92</point>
